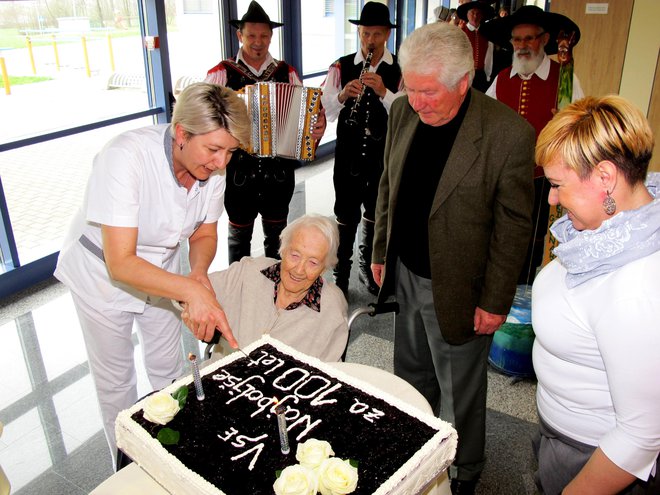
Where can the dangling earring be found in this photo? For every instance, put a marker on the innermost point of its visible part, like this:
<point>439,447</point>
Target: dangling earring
<point>609,205</point>
<point>181,147</point>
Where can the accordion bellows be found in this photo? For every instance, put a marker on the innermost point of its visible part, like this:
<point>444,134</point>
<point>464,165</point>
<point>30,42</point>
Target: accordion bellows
<point>282,117</point>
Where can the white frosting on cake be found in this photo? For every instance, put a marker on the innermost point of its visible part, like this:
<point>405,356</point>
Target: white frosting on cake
<point>411,478</point>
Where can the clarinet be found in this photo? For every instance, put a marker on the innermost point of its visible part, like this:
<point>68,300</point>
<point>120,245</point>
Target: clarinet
<point>352,120</point>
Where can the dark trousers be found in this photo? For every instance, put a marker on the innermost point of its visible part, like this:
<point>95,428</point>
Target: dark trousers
<point>261,186</point>
<point>561,458</point>
<point>356,185</point>
<point>257,186</point>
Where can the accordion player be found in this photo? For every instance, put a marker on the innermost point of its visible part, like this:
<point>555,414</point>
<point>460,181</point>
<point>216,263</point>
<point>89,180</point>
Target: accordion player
<point>282,117</point>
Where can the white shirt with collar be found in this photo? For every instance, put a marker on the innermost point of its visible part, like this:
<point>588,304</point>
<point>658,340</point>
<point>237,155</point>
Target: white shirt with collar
<point>220,76</point>
<point>332,86</point>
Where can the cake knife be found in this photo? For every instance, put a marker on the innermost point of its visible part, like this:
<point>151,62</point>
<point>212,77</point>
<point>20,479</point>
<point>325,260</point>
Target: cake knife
<point>216,334</point>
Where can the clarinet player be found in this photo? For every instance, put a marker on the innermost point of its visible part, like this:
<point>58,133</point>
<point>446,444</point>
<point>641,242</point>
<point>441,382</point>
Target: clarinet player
<point>257,185</point>
<point>358,92</point>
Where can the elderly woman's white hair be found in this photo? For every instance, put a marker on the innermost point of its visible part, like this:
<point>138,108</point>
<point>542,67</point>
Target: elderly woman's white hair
<point>327,227</point>
<point>438,48</point>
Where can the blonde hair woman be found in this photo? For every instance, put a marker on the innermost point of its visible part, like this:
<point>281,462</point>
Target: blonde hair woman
<point>595,307</point>
<point>150,190</point>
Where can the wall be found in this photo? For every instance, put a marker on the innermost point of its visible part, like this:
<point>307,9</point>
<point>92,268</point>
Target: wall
<point>618,53</point>
<point>640,67</point>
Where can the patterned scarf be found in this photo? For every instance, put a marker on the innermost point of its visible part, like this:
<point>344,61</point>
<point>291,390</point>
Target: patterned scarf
<point>627,236</point>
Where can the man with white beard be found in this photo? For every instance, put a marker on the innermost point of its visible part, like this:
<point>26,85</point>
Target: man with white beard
<point>530,86</point>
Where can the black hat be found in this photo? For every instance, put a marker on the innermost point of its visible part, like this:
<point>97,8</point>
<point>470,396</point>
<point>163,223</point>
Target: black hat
<point>499,30</point>
<point>374,14</point>
<point>255,13</point>
<point>485,8</point>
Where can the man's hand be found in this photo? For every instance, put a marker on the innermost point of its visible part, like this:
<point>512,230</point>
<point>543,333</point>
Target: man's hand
<point>377,271</point>
<point>375,82</point>
<point>319,128</point>
<point>486,323</point>
<point>351,90</point>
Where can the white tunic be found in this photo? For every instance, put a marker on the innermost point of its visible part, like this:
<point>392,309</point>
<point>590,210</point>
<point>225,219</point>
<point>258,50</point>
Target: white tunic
<point>132,184</point>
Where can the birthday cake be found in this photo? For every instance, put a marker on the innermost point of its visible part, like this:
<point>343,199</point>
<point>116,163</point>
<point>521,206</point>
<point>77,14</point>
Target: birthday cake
<point>229,442</point>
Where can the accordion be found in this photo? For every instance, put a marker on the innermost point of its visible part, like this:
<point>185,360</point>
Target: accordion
<point>282,117</point>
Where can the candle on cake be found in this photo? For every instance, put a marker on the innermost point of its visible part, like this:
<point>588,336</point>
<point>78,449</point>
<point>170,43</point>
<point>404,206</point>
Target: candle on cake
<point>281,426</point>
<point>199,390</point>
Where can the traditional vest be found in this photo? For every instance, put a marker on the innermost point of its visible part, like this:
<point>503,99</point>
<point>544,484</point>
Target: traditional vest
<point>371,108</point>
<point>239,75</point>
<point>533,99</point>
<point>479,46</point>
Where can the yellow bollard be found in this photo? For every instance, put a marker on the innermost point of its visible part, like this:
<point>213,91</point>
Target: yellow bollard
<point>5,76</point>
<point>57,55</point>
<point>29,45</point>
<point>112,56</point>
<point>86,55</point>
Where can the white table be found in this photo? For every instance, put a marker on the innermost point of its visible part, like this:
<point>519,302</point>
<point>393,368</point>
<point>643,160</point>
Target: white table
<point>132,480</point>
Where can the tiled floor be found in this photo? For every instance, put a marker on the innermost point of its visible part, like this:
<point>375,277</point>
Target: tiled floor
<point>53,442</point>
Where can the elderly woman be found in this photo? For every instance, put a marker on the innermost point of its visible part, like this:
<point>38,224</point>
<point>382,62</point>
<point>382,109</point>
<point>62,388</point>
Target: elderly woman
<point>595,308</point>
<point>151,189</point>
<point>289,300</point>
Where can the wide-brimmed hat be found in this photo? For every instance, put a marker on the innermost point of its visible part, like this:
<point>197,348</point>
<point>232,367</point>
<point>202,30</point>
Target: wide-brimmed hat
<point>498,30</point>
<point>374,14</point>
<point>255,13</point>
<point>485,8</point>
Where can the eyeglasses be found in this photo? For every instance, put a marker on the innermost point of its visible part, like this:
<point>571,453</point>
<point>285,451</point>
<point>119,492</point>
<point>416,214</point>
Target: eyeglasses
<point>527,39</point>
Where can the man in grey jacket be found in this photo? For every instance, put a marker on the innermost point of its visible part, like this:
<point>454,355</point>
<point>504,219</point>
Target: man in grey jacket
<point>453,219</point>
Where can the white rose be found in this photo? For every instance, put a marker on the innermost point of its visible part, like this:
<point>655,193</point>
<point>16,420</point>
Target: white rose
<point>160,408</point>
<point>337,477</point>
<point>296,480</point>
<point>313,452</point>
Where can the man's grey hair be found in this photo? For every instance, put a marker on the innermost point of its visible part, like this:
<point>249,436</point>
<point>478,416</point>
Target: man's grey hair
<point>438,48</point>
<point>327,227</point>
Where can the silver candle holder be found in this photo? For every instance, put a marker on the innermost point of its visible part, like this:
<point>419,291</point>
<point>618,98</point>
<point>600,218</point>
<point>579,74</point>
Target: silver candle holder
<point>197,379</point>
<point>281,426</point>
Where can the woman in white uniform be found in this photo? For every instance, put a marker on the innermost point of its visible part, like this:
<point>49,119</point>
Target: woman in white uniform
<point>151,189</point>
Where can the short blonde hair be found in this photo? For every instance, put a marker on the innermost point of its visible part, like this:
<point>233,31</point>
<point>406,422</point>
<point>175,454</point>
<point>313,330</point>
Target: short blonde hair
<point>595,129</point>
<point>203,107</point>
<point>327,227</point>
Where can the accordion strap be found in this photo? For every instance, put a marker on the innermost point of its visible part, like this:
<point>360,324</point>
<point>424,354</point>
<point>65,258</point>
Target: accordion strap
<point>246,72</point>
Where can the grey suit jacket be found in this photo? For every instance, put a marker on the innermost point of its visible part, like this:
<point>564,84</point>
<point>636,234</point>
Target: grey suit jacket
<point>480,222</point>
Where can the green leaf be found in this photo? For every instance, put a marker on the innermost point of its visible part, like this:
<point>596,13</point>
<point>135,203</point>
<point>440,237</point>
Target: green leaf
<point>278,473</point>
<point>353,463</point>
<point>181,394</point>
<point>168,436</point>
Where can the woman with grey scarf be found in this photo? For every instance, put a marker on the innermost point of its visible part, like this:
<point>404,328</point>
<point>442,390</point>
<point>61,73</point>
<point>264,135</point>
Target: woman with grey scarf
<point>595,308</point>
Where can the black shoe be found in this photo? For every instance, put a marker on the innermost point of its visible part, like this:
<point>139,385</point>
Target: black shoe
<point>365,276</point>
<point>365,250</point>
<point>463,487</point>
